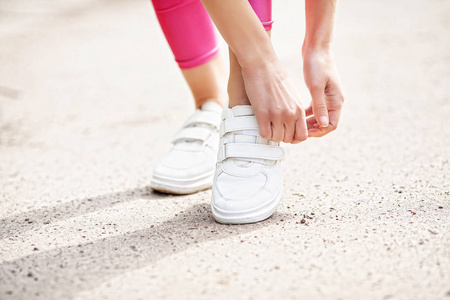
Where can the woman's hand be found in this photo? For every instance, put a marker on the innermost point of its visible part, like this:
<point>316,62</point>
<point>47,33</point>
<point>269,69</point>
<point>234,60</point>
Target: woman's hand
<point>322,80</point>
<point>276,102</point>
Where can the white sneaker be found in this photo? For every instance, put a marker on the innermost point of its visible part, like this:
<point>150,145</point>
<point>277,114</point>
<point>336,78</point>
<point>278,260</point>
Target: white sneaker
<point>248,182</point>
<point>189,166</point>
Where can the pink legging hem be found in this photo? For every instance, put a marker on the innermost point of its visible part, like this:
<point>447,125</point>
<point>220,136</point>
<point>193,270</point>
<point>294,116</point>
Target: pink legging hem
<point>200,60</point>
<point>190,31</point>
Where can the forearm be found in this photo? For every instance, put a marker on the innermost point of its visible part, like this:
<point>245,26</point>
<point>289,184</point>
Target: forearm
<point>242,31</point>
<point>319,23</point>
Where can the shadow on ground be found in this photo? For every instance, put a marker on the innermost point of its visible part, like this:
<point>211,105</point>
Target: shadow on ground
<point>20,223</point>
<point>65,271</point>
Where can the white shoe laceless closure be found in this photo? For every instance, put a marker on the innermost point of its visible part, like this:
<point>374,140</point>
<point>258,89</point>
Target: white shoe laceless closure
<point>189,166</point>
<point>248,182</point>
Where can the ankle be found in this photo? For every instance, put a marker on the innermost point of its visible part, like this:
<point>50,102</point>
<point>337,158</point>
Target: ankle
<point>218,100</point>
<point>237,94</point>
<point>238,101</point>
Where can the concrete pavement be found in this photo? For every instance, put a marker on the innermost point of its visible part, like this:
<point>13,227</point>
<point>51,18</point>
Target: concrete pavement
<point>89,98</point>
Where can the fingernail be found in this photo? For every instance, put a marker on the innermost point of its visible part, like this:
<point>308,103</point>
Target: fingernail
<point>323,120</point>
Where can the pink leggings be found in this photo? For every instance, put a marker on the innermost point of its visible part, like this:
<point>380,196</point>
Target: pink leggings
<point>190,31</point>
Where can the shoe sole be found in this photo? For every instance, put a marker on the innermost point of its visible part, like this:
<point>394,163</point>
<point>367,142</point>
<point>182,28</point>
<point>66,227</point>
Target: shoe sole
<point>182,187</point>
<point>233,217</point>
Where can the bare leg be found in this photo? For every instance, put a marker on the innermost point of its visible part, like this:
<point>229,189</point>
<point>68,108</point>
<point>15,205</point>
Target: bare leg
<point>207,81</point>
<point>189,166</point>
<point>236,88</point>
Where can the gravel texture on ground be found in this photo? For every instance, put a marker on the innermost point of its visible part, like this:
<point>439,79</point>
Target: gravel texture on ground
<point>89,99</point>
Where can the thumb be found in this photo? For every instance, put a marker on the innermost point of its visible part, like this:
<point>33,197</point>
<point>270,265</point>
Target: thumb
<point>319,106</point>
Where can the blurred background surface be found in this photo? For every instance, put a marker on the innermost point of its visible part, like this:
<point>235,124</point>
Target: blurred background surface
<point>89,99</point>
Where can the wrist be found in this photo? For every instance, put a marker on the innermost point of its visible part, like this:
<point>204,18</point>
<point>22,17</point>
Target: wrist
<point>263,66</point>
<point>316,45</point>
<point>319,18</point>
<point>253,48</point>
<point>309,48</point>
<point>256,55</point>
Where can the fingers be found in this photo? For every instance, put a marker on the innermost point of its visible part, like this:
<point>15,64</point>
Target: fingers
<point>332,99</point>
<point>277,131</point>
<point>279,126</point>
<point>295,130</point>
<point>314,129</point>
<point>264,124</point>
<point>309,111</point>
<point>289,131</point>
<point>319,105</point>
<point>289,118</point>
<point>301,131</point>
<point>311,123</point>
<point>268,129</point>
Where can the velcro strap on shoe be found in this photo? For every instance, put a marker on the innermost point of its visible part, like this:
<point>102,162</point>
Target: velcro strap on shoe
<point>203,117</point>
<point>192,134</point>
<point>242,110</point>
<point>243,150</point>
<point>237,124</point>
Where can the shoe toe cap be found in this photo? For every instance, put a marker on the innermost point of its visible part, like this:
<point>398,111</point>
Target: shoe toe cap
<point>180,164</point>
<point>239,194</point>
